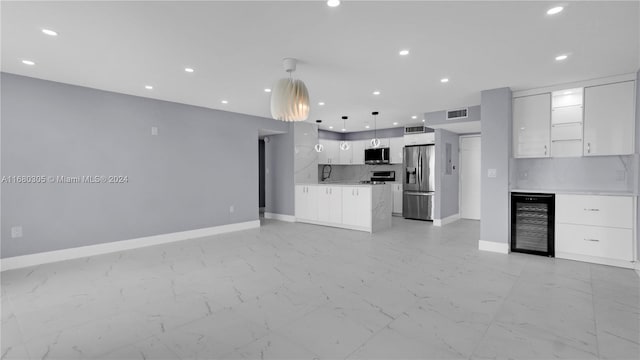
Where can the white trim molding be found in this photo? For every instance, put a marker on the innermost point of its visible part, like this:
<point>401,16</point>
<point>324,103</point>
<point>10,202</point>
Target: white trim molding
<point>23,261</point>
<point>595,260</point>
<point>281,217</point>
<point>502,248</point>
<point>447,220</point>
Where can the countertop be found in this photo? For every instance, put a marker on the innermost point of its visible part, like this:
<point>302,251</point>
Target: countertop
<point>577,192</point>
<point>342,183</point>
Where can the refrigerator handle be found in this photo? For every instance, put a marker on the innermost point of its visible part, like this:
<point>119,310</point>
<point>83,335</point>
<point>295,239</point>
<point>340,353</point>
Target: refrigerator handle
<point>420,170</point>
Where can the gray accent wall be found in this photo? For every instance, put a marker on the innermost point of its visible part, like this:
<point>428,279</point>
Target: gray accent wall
<point>201,163</point>
<point>496,152</point>
<point>446,182</point>
<point>439,117</point>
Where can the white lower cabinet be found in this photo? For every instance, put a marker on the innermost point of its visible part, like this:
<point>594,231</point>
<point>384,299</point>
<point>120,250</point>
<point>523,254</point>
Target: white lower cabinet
<point>595,228</point>
<point>397,198</point>
<point>357,203</point>
<point>306,202</point>
<point>330,204</point>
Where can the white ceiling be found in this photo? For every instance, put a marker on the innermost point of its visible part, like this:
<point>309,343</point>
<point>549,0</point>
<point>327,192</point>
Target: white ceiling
<point>346,52</point>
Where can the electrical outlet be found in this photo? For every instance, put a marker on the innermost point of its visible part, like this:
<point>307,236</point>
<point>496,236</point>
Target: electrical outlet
<point>154,130</point>
<point>492,173</point>
<point>523,175</point>
<point>16,232</point>
<point>231,209</point>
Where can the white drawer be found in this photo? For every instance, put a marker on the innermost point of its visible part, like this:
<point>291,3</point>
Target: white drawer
<point>611,243</point>
<point>566,131</point>
<point>610,211</point>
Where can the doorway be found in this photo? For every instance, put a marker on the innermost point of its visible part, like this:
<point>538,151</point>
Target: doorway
<point>470,175</point>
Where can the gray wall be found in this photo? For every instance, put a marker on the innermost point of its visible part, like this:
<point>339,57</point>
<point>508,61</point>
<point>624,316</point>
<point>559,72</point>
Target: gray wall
<point>638,155</point>
<point>496,151</point>
<point>202,162</point>
<point>447,185</point>
<point>279,169</point>
<point>439,117</point>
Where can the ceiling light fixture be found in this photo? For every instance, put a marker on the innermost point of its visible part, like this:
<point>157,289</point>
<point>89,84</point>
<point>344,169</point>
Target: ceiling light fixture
<point>376,92</point>
<point>148,87</point>
<point>333,3</point>
<point>290,98</point>
<point>28,62</point>
<point>330,127</point>
<point>344,145</point>
<point>267,90</point>
<point>554,10</point>
<point>318,147</point>
<point>375,142</point>
<point>414,117</point>
<point>49,32</point>
<point>423,120</point>
<point>189,70</point>
<point>561,57</point>
<point>444,80</point>
<point>321,103</point>
<point>404,52</point>
<point>224,102</point>
<point>395,123</point>
<point>366,126</point>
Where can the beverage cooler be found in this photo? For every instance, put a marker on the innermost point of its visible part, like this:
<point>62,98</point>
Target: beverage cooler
<point>532,223</point>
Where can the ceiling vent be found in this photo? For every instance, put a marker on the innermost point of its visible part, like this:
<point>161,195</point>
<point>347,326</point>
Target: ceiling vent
<point>457,114</point>
<point>415,129</point>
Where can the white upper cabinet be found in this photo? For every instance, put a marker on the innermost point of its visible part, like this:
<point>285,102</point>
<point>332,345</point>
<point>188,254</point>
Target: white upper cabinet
<point>358,151</point>
<point>396,148</point>
<point>609,119</point>
<point>346,156</point>
<point>532,126</point>
<point>330,154</point>
<point>566,123</point>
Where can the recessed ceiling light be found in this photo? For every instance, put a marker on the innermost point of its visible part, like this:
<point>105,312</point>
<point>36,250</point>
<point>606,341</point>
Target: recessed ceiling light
<point>344,129</point>
<point>224,101</point>
<point>376,92</point>
<point>404,52</point>
<point>148,87</point>
<point>395,123</point>
<point>333,3</point>
<point>422,120</point>
<point>330,127</point>
<point>28,62</point>
<point>414,117</point>
<point>188,70</point>
<point>321,103</point>
<point>561,57</point>
<point>554,10</point>
<point>366,126</point>
<point>49,32</point>
<point>267,90</point>
<point>444,80</point>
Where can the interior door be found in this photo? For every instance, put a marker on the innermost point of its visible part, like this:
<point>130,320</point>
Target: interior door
<point>470,175</point>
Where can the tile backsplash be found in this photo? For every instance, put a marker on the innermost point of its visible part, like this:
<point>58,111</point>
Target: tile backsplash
<point>355,173</point>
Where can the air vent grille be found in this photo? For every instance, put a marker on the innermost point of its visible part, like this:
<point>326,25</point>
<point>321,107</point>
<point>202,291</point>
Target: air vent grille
<point>415,129</point>
<point>457,114</point>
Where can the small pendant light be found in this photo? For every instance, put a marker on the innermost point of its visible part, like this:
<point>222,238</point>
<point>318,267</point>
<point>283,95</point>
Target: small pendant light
<point>319,147</point>
<point>344,145</point>
<point>375,142</point>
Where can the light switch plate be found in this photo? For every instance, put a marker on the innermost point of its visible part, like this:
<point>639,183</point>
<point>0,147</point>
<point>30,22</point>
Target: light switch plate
<point>154,130</point>
<point>492,173</point>
<point>16,232</point>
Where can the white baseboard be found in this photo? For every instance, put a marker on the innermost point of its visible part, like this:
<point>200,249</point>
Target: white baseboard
<point>595,260</point>
<point>281,217</point>
<point>502,248</point>
<point>18,262</point>
<point>447,220</point>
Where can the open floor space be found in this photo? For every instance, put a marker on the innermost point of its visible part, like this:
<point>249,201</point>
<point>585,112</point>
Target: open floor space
<point>297,291</point>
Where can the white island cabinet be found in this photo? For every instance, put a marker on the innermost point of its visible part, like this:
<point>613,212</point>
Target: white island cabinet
<point>357,207</point>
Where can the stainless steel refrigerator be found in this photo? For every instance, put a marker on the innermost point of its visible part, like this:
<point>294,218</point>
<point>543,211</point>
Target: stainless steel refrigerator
<point>418,182</point>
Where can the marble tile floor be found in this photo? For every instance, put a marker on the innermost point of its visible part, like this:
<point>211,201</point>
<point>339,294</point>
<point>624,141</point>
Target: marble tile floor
<point>298,291</point>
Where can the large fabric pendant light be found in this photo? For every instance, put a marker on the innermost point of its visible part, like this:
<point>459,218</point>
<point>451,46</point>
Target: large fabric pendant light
<point>289,97</point>
<point>375,142</point>
<point>345,144</point>
<point>319,147</point>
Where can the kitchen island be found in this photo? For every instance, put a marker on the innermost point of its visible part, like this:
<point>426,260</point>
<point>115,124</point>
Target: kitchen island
<point>363,207</point>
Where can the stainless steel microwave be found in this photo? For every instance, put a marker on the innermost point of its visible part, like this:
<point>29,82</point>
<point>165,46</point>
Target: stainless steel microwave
<point>376,156</point>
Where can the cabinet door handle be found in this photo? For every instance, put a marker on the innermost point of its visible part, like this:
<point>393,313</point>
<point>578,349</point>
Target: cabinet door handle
<point>586,209</point>
<point>545,150</point>
<point>593,240</point>
<point>588,148</point>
